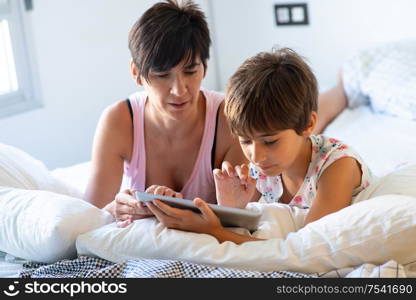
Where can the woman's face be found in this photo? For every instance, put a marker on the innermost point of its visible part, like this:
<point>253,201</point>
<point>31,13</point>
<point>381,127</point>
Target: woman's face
<point>175,92</point>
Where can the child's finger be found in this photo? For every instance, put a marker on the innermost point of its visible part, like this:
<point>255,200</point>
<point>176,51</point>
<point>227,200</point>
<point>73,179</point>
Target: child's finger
<point>251,180</point>
<point>228,169</point>
<point>167,209</point>
<point>157,212</point>
<point>218,174</point>
<point>245,169</point>
<point>241,174</point>
<point>204,208</point>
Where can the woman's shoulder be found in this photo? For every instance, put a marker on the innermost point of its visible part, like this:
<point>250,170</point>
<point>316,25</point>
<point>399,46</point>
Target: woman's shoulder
<point>116,112</point>
<point>115,127</point>
<point>213,95</point>
<point>121,111</point>
<point>138,96</point>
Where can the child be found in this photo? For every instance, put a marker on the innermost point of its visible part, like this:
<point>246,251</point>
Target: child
<point>271,105</point>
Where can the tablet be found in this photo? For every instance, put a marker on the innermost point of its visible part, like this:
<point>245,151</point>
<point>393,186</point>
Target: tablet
<point>229,216</point>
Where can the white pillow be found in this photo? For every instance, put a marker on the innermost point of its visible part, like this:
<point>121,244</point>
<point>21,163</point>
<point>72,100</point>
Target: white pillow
<point>42,226</point>
<point>20,170</point>
<point>372,231</point>
<point>385,77</point>
<point>147,238</point>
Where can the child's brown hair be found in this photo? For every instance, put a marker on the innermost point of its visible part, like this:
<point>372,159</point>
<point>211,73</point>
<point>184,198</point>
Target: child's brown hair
<point>269,92</point>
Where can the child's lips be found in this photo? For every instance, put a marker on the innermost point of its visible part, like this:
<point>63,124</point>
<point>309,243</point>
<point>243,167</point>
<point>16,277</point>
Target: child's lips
<point>265,167</point>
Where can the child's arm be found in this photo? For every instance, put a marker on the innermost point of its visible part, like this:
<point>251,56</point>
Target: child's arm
<point>335,188</point>
<point>187,220</point>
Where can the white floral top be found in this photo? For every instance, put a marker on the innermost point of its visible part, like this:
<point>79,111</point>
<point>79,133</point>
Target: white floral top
<point>324,152</point>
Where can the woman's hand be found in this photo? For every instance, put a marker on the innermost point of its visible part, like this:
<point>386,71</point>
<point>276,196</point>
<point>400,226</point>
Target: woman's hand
<point>234,186</point>
<point>163,190</point>
<point>186,220</point>
<point>128,208</point>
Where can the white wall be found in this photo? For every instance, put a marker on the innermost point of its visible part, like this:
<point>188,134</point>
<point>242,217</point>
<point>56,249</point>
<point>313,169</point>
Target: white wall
<point>83,63</point>
<point>336,29</point>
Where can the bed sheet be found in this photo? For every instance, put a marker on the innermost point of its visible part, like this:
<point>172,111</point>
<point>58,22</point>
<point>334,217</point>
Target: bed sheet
<point>384,142</point>
<point>77,176</point>
<point>94,267</point>
<point>10,267</point>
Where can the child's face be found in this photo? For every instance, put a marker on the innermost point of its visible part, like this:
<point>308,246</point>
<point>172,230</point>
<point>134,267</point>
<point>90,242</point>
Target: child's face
<point>273,153</point>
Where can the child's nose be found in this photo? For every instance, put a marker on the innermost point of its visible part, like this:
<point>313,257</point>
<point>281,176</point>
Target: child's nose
<point>257,154</point>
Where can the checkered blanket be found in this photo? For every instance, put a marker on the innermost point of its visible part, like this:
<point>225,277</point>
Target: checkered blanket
<point>92,267</point>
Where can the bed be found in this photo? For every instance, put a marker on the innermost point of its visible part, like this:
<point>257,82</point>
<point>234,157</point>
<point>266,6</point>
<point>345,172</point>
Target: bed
<point>381,133</point>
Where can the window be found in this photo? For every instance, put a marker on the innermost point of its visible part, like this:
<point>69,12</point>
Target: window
<point>18,86</point>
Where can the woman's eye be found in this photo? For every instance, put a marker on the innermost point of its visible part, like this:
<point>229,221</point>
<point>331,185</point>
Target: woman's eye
<point>162,75</point>
<point>244,142</point>
<point>190,72</point>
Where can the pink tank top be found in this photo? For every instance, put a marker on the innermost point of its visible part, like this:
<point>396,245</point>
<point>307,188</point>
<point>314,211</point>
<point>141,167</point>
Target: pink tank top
<point>201,183</point>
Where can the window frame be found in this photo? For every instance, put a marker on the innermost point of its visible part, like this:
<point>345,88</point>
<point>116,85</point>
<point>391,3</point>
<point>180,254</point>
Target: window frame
<point>27,96</point>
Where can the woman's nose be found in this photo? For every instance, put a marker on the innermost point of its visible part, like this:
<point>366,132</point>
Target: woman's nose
<point>178,88</point>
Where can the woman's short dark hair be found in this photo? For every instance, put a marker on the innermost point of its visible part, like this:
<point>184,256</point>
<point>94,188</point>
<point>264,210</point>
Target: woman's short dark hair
<point>168,33</point>
<point>269,92</point>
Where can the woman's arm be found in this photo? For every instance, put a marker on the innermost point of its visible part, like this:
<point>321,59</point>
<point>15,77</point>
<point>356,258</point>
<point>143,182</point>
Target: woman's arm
<point>330,104</point>
<point>335,188</point>
<point>112,145</point>
<point>228,148</point>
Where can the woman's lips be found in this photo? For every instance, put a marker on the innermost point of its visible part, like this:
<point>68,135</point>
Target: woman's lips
<point>178,105</point>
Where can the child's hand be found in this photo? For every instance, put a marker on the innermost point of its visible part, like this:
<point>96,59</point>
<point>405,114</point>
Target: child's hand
<point>234,186</point>
<point>185,219</point>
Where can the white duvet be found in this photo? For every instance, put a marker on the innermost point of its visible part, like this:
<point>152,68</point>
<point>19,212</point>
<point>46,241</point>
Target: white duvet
<point>372,231</point>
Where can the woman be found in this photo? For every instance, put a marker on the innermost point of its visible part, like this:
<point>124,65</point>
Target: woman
<point>169,138</point>
<point>330,104</point>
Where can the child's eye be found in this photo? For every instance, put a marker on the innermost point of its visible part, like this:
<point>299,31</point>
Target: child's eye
<point>268,143</point>
<point>244,142</point>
